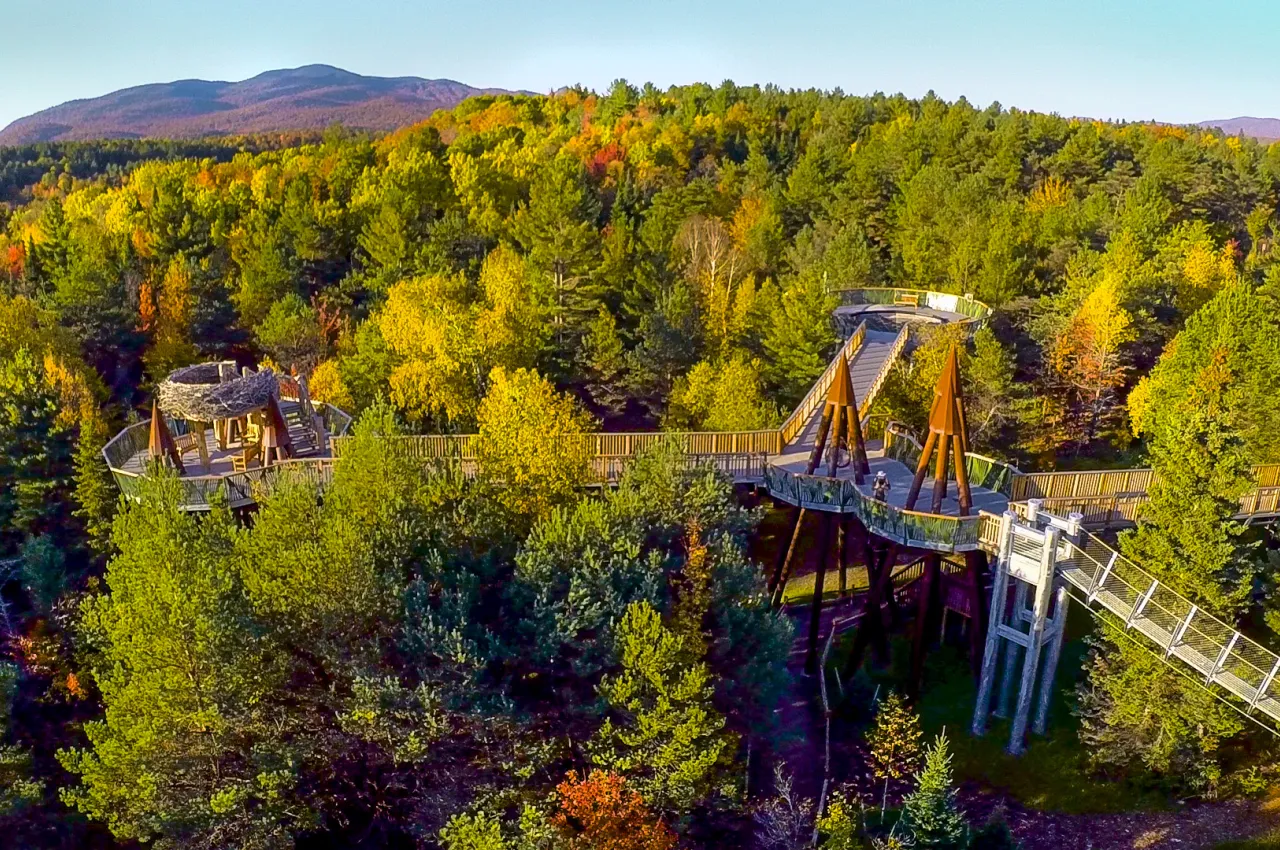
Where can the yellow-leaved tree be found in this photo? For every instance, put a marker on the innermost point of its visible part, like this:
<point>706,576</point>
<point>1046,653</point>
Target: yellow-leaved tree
<point>1088,355</point>
<point>531,443</point>
<point>430,322</point>
<point>450,336</point>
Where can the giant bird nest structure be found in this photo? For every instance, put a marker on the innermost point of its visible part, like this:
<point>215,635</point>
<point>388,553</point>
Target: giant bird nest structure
<point>199,393</point>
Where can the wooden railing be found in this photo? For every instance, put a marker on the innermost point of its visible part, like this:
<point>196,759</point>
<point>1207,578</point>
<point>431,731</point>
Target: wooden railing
<point>868,400</point>
<point>601,445</point>
<point>799,418</point>
<point>1115,496</point>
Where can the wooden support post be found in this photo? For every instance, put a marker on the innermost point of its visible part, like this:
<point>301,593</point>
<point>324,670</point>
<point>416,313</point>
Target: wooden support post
<point>921,468</point>
<point>976,562</point>
<point>815,608</point>
<point>1052,653</point>
<point>842,554</point>
<point>784,552</point>
<point>871,624</point>
<point>991,649</point>
<point>201,445</point>
<point>962,479</point>
<point>819,441</point>
<point>837,421</point>
<point>1044,589</point>
<point>926,608</point>
<point>861,466</point>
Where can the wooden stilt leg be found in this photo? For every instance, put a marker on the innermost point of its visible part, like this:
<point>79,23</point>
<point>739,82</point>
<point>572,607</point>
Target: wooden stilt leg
<point>837,424</point>
<point>858,448</point>
<point>962,480</point>
<point>976,562</point>
<point>871,624</point>
<point>921,468</point>
<point>842,554</point>
<point>815,608</point>
<point>925,607</point>
<point>779,589</point>
<point>820,442</point>
<point>784,552</point>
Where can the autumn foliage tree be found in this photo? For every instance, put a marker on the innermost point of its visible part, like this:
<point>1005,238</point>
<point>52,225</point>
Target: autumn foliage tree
<point>601,812</point>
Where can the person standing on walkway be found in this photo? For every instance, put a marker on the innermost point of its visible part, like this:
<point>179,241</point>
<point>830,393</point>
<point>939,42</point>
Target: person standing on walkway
<point>880,487</point>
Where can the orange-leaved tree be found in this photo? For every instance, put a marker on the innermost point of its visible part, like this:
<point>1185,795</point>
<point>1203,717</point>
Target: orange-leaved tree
<point>600,812</point>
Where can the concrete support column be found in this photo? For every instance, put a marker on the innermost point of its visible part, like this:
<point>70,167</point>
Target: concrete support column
<point>991,650</point>
<point>1039,616</point>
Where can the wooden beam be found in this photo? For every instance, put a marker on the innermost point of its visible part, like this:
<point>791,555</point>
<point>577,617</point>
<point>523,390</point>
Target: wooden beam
<point>921,468</point>
<point>784,552</point>
<point>815,606</point>
<point>962,478</point>
<point>820,441</point>
<point>940,475</point>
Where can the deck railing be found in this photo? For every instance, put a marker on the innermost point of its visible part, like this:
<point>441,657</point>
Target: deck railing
<point>910,528</point>
<point>1115,496</point>
<point>1140,604</point>
<point>596,445</point>
<point>799,418</point>
<point>965,305</point>
<point>980,470</point>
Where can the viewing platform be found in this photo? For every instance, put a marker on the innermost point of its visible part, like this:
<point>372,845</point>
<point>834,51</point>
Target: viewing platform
<point>225,434</point>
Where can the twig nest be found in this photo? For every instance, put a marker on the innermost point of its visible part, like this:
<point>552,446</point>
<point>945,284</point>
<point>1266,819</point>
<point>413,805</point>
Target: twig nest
<point>199,394</point>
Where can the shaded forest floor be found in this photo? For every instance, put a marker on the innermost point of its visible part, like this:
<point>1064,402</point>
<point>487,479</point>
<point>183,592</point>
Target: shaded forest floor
<point>1198,827</point>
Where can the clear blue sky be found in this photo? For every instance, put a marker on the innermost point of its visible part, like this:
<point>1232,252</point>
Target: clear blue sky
<point>1178,60</point>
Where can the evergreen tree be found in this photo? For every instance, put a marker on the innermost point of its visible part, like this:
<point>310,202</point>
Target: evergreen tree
<point>668,739</point>
<point>36,452</point>
<point>929,814</point>
<point>95,492</point>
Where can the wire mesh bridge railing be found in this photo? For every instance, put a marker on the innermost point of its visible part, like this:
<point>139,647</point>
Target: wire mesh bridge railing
<point>1168,623</point>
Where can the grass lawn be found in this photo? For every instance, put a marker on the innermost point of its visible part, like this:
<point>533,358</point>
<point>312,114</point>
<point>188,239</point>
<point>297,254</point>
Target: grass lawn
<point>800,588</point>
<point>1053,774</point>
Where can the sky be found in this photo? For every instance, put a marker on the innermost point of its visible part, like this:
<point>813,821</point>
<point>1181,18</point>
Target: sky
<point>1177,60</point>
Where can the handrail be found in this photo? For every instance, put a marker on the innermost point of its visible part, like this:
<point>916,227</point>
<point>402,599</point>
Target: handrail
<point>1212,648</point>
<point>895,349</point>
<point>799,418</point>
<point>600,444</point>
<point>980,470</point>
<point>911,528</point>
<point>1123,491</point>
<point>947,302</point>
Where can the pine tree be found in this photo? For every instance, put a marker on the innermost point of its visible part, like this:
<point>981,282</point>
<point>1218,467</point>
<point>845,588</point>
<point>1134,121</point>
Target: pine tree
<point>929,813</point>
<point>669,739</point>
<point>95,492</point>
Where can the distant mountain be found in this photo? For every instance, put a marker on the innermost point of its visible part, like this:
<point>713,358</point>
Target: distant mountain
<point>1266,129</point>
<point>311,97</point>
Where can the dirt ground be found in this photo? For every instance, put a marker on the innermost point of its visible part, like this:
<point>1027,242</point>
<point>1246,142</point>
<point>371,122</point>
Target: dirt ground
<point>1194,827</point>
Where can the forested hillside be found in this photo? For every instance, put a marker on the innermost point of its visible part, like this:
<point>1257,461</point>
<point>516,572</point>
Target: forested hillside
<point>420,660</point>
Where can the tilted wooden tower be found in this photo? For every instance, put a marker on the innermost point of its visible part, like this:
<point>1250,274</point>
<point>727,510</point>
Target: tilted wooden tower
<point>840,416</point>
<point>161,446</point>
<point>947,435</point>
